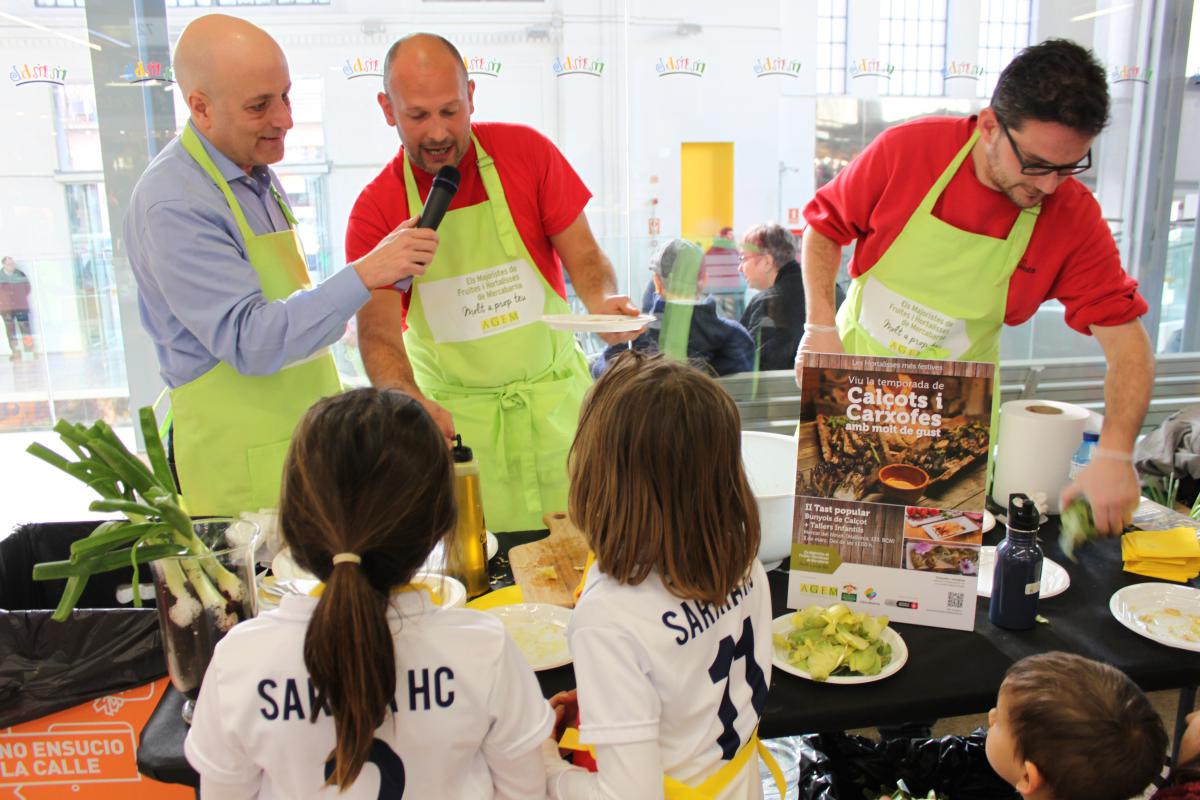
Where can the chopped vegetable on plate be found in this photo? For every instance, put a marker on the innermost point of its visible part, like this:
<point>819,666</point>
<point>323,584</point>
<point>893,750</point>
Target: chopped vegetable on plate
<point>835,641</point>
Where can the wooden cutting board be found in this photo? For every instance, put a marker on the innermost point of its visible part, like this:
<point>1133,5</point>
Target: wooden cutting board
<point>549,569</point>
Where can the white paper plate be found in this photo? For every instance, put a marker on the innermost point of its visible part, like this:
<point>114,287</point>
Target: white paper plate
<point>284,568</point>
<point>450,590</point>
<point>966,524</point>
<point>1163,612</point>
<point>783,624</point>
<point>271,588</point>
<point>1055,579</point>
<point>989,521</point>
<point>597,323</point>
<point>539,630</point>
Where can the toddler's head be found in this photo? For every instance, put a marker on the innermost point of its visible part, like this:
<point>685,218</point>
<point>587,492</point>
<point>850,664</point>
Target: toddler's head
<point>657,482</point>
<point>1069,728</point>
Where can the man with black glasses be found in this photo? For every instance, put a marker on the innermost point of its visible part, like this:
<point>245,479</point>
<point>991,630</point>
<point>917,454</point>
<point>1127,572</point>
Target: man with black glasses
<point>963,225</point>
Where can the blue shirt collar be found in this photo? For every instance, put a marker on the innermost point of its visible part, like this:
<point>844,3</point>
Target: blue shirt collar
<point>259,178</point>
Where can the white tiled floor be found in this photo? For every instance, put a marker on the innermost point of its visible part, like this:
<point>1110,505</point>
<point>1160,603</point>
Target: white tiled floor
<point>33,491</point>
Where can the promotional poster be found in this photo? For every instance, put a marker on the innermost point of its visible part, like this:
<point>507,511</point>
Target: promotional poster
<point>891,480</point>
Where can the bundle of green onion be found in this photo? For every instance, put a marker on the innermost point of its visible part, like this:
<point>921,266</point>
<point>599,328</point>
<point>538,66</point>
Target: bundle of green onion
<point>155,526</point>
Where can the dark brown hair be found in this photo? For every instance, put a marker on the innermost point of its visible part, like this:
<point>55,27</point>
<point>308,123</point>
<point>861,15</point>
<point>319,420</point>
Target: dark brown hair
<point>1087,726</point>
<point>657,480</point>
<point>368,473</point>
<point>1055,81</point>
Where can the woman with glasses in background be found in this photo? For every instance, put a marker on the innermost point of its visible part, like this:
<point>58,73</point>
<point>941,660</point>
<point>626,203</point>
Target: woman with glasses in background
<point>965,224</point>
<point>774,317</point>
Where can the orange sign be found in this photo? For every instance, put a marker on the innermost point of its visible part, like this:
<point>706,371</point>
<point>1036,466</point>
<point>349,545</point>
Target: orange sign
<point>793,216</point>
<point>87,752</point>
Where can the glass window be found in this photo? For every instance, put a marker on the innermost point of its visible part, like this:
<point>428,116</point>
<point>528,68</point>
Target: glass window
<point>831,46</point>
<point>912,42</point>
<point>666,153</point>
<point>1004,30</point>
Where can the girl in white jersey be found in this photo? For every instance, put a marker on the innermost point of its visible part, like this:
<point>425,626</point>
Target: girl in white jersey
<point>369,689</point>
<point>671,635</point>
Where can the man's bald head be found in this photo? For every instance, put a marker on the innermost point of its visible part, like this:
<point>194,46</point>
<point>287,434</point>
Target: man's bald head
<point>235,80</point>
<point>428,97</point>
<point>424,49</point>
<point>214,50</point>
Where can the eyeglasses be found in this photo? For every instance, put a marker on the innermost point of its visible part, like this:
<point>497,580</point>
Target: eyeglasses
<point>748,252</point>
<point>1038,168</point>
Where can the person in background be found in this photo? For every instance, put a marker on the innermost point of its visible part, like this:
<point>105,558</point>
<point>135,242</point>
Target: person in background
<point>240,331</point>
<point>965,224</point>
<point>723,278</point>
<point>1069,728</point>
<point>686,327</point>
<point>670,706</point>
<point>371,687</point>
<point>14,307</point>
<point>775,316</point>
<point>467,339</point>
<point>1183,783</point>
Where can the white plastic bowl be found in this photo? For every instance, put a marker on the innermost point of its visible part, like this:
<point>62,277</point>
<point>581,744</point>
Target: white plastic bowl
<point>770,460</point>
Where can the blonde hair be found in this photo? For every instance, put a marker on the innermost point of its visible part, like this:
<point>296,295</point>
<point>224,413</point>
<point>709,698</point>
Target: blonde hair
<point>657,482</point>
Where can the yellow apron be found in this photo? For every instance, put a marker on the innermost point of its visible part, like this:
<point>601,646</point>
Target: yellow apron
<point>713,784</point>
<point>938,291</point>
<point>478,347</point>
<point>231,430</point>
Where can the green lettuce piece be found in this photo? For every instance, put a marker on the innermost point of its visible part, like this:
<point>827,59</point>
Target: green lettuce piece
<point>1078,527</point>
<point>822,662</point>
<point>865,662</point>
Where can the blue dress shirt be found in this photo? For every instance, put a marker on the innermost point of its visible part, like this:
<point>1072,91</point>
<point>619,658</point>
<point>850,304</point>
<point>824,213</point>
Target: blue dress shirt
<point>199,297</point>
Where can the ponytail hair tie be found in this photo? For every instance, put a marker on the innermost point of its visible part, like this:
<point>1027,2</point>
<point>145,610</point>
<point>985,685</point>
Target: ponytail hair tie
<point>347,558</point>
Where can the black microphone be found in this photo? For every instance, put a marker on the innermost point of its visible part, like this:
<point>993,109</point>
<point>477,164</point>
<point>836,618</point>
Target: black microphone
<point>445,185</point>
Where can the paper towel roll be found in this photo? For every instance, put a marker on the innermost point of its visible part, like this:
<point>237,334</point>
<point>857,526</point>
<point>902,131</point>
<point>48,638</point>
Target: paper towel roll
<point>1037,440</point>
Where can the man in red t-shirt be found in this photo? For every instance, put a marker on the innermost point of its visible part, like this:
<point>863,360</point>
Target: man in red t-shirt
<point>468,339</point>
<point>974,223</point>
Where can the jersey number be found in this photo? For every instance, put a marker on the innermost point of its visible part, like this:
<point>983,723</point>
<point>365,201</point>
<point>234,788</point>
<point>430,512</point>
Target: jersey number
<point>391,770</point>
<point>729,651</point>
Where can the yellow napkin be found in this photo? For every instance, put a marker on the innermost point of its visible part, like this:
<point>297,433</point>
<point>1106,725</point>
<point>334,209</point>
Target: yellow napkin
<point>1174,543</point>
<point>1172,555</point>
<point>508,596</point>
<point>1168,572</point>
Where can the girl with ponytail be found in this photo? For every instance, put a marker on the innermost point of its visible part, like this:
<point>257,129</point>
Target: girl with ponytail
<point>368,689</point>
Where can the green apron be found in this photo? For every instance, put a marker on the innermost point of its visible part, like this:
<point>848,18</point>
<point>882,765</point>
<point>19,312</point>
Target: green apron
<point>478,347</point>
<point>231,430</point>
<point>937,292</point>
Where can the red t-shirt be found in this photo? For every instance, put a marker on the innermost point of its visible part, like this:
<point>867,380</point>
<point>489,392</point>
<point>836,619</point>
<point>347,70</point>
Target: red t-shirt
<point>545,195</point>
<point>1071,255</point>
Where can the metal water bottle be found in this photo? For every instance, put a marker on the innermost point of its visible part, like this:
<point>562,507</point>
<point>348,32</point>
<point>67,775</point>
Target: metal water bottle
<point>1017,578</point>
<point>467,549</point>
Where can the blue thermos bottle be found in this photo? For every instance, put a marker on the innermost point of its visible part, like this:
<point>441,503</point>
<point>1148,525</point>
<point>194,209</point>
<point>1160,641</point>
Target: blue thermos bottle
<point>1017,578</point>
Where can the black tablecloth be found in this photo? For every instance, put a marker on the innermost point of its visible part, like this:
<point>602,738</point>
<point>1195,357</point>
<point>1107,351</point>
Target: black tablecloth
<point>948,672</point>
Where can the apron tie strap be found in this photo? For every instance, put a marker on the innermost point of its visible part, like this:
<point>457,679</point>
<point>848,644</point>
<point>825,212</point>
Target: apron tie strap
<point>517,434</point>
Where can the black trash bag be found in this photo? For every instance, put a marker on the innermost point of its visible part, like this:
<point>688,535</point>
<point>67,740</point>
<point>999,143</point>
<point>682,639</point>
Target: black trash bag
<point>47,666</point>
<point>842,766</point>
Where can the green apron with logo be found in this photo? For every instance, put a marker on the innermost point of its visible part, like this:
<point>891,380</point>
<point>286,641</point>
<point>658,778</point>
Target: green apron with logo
<point>937,292</point>
<point>479,348</point>
<point>231,430</point>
